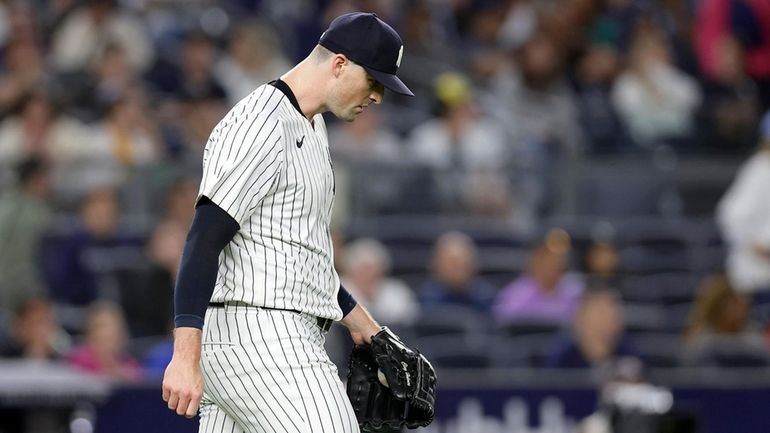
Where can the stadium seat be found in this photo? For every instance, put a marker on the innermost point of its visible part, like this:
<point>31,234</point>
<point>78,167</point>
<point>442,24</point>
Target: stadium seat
<point>457,351</point>
<point>645,318</point>
<point>520,351</point>
<point>639,259</point>
<point>664,287</point>
<point>449,320</point>
<point>658,350</point>
<point>530,326</point>
<point>733,353</point>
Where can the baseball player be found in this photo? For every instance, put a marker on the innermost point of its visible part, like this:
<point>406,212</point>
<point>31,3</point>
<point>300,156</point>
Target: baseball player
<point>257,290</point>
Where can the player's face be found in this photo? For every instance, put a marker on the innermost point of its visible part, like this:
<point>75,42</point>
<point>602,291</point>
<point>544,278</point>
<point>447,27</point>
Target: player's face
<point>355,91</point>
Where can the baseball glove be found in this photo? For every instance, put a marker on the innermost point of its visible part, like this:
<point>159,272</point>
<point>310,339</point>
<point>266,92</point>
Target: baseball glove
<point>390,385</point>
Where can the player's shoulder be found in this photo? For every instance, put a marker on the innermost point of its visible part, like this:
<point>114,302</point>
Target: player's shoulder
<point>262,107</point>
<point>264,101</point>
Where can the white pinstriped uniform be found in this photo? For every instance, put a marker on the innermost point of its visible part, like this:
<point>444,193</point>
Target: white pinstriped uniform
<point>266,370</point>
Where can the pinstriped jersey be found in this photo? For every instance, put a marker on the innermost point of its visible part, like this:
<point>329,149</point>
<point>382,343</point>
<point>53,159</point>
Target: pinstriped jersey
<point>270,169</point>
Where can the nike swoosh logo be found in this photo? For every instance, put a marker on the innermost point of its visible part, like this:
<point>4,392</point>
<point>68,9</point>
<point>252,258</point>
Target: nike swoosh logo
<point>300,142</point>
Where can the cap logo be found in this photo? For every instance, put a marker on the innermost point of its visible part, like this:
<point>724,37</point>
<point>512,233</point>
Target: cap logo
<point>400,53</point>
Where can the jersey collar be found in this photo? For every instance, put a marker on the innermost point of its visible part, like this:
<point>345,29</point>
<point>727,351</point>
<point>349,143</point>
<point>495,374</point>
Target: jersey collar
<point>283,87</point>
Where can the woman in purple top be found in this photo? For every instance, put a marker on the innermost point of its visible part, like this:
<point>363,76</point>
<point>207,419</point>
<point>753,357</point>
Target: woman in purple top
<point>545,291</point>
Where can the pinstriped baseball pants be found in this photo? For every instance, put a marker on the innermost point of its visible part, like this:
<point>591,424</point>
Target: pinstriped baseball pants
<point>267,371</point>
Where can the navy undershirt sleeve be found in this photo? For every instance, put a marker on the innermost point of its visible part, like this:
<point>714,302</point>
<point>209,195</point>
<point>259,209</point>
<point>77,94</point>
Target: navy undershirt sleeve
<point>211,230</point>
<point>345,301</point>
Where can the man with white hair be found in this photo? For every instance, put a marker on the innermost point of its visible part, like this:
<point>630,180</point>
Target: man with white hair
<point>366,266</point>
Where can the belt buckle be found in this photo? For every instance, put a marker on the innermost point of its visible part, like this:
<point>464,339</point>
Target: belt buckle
<point>324,324</point>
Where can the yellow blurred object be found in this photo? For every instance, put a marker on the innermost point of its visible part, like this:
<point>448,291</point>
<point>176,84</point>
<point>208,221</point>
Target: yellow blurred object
<point>452,88</point>
<point>124,152</point>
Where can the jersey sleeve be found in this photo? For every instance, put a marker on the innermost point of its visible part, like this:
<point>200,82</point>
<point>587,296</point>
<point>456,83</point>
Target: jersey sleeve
<point>241,165</point>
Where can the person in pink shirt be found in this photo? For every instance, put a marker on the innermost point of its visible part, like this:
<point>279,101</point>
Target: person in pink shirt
<point>103,349</point>
<point>546,291</point>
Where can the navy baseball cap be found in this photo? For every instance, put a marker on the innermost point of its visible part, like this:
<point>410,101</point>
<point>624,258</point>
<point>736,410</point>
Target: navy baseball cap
<point>367,40</point>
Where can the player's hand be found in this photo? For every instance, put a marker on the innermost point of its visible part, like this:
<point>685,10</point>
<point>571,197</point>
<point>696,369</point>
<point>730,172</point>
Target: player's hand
<point>183,387</point>
<point>183,381</point>
<point>361,325</point>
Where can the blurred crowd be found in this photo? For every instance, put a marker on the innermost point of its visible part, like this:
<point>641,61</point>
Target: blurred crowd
<point>106,106</point>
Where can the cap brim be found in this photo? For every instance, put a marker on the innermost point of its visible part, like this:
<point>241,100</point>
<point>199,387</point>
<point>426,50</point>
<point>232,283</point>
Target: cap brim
<point>391,82</point>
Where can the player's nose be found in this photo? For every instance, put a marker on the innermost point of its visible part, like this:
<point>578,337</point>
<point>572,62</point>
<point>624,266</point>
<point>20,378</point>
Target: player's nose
<point>377,94</point>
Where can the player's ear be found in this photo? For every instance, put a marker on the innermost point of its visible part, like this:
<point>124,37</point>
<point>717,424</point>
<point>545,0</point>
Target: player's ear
<point>339,61</point>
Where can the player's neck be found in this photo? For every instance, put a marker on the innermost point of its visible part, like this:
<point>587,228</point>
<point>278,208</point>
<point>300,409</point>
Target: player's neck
<point>306,89</point>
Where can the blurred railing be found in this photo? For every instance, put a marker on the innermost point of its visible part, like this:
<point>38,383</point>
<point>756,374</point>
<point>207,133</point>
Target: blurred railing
<point>515,400</point>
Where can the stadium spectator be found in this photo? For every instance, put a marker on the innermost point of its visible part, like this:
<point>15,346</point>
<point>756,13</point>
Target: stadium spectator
<point>595,72</point>
<point>367,148</point>
<point>454,275</point>
<point>744,218</point>
<point>180,202</point>
<point>186,124</point>
<point>89,29</point>
<point>718,331</point>
<point>597,334</point>
<point>546,291</point>
<point>35,333</point>
<point>656,101</point>
<point>147,290</point>
<point>103,350</point>
<point>540,113</point>
<point>254,56</point>
<point>731,102</point>
<point>602,260</point>
<point>748,22</point>
<point>25,218</point>
<point>37,127</point>
<point>128,137</point>
<point>429,55</point>
<point>197,65</point>
<point>80,264</point>
<point>466,151</point>
<point>544,114</point>
<point>23,74</point>
<point>147,294</point>
<point>366,266</point>
<point>108,80</point>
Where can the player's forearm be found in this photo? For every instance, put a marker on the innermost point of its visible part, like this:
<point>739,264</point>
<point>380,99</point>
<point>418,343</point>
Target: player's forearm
<point>211,230</point>
<point>187,344</point>
<point>361,324</point>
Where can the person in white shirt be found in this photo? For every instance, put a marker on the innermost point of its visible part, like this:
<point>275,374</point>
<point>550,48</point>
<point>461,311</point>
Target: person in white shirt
<point>365,274</point>
<point>743,215</point>
<point>465,150</point>
<point>654,99</point>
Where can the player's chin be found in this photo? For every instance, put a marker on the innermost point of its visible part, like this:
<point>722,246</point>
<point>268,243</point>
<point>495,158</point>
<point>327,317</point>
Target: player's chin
<point>352,114</point>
